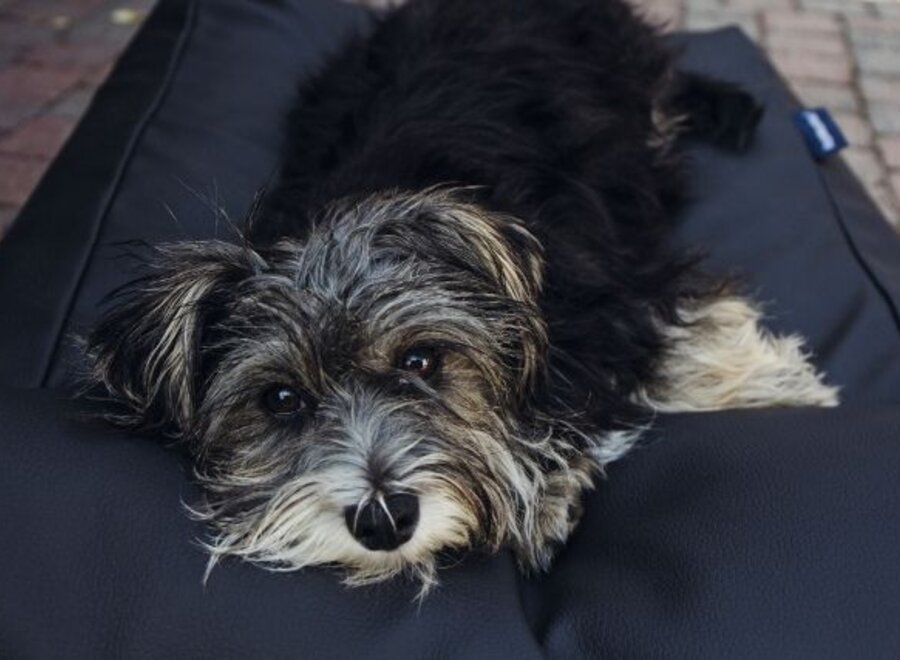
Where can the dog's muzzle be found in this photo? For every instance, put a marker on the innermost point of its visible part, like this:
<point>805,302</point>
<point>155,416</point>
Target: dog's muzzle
<point>384,522</point>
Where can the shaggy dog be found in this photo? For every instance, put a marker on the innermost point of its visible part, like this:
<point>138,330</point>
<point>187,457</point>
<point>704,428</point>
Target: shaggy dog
<point>457,303</point>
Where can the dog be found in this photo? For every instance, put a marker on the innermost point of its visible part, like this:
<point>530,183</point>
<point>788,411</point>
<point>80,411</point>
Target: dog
<point>456,305</point>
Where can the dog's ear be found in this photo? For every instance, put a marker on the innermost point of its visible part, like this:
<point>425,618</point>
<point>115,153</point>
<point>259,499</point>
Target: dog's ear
<point>504,250</point>
<point>499,245</point>
<point>146,351</point>
<point>442,226</point>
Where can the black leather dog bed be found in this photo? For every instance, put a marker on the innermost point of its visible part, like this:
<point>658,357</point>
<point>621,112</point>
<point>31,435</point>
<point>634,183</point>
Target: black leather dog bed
<point>732,534</point>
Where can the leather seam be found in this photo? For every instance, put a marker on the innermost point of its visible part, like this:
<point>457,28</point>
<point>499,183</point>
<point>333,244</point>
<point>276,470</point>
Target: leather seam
<point>856,251</point>
<point>113,190</point>
<point>840,217</point>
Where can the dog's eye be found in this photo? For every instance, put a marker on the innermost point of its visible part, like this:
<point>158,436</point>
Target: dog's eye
<point>420,361</point>
<point>283,400</point>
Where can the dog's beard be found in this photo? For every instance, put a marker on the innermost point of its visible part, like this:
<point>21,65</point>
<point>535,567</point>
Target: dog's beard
<point>478,483</point>
<point>218,325</point>
<point>301,526</point>
<point>490,445</point>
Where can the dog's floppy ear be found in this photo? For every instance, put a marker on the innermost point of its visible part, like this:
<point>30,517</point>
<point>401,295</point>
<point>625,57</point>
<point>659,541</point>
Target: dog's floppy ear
<point>145,352</point>
<point>441,224</point>
<point>498,244</point>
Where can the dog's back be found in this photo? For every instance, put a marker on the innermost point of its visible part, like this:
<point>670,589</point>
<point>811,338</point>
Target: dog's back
<point>542,103</point>
<point>410,368</point>
<point>561,113</point>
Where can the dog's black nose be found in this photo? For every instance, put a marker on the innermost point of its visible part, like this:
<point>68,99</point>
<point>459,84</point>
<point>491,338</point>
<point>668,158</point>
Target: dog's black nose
<point>384,527</point>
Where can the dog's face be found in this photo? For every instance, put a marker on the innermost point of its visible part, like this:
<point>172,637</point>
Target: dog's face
<point>362,398</point>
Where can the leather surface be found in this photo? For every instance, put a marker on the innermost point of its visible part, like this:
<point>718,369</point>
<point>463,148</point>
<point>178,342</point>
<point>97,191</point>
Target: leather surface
<point>739,535</point>
<point>802,236</point>
<point>767,533</point>
<point>189,128</point>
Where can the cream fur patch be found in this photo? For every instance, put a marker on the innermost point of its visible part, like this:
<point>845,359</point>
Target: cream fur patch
<point>723,358</point>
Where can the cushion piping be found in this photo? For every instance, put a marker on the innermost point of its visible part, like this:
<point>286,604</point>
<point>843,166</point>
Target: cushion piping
<point>862,255</point>
<point>111,194</point>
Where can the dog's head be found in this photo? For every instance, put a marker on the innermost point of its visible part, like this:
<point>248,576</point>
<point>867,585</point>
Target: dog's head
<point>362,397</point>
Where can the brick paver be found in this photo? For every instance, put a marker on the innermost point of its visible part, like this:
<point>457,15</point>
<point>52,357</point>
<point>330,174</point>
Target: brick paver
<point>40,137</point>
<point>25,89</point>
<point>895,184</point>
<point>890,151</point>
<point>53,56</point>
<point>841,54</point>
<point>19,177</point>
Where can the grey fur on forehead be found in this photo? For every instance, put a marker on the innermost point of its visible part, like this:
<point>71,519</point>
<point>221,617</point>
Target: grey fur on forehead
<point>376,276</point>
<point>362,239</point>
<point>563,317</point>
<point>495,456</point>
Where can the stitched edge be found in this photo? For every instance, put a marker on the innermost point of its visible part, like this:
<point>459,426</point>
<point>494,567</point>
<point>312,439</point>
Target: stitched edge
<point>840,217</point>
<point>852,244</point>
<point>113,190</point>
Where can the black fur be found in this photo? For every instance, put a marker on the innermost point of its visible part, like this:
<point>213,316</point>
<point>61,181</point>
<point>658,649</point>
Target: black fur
<point>561,116</point>
<point>548,107</point>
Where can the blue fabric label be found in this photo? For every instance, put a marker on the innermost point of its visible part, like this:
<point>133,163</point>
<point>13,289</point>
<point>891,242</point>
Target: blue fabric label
<point>820,131</point>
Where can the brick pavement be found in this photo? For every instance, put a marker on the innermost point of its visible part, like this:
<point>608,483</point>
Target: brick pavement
<point>843,54</point>
<point>53,56</point>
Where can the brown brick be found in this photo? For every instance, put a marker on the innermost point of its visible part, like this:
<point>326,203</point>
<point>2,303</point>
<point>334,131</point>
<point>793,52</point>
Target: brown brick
<point>74,103</point>
<point>846,7</point>
<point>22,83</point>
<point>878,88</point>
<point>65,55</point>
<point>708,19</point>
<point>883,197</point>
<point>875,28</point>
<point>806,43</point>
<point>865,165</point>
<point>42,136</point>
<point>7,215</point>
<point>17,34</point>
<point>885,117</point>
<point>800,66</point>
<point>98,75</point>
<point>702,5</point>
<point>665,13</point>
<point>18,177</point>
<point>885,10</point>
<point>890,150</point>
<point>855,128</point>
<point>755,5</point>
<point>11,115</point>
<point>26,90</point>
<point>807,21</point>
<point>895,187</point>
<point>831,96</point>
<point>895,183</point>
<point>100,28</point>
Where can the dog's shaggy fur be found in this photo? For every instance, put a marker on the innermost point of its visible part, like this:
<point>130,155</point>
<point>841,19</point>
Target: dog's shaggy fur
<point>457,304</point>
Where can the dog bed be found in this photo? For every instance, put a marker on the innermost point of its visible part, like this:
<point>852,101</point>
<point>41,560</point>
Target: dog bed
<point>730,534</point>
